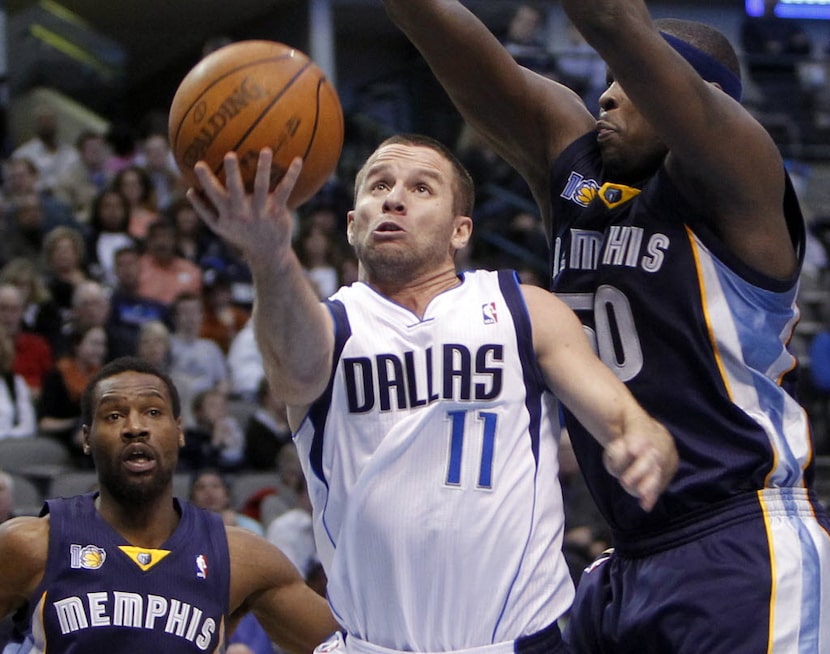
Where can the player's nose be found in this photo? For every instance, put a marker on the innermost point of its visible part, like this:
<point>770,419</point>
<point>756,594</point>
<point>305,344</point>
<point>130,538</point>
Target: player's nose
<point>395,199</point>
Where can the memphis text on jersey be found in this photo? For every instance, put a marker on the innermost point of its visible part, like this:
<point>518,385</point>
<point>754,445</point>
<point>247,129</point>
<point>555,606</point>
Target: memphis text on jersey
<point>128,610</point>
<point>620,245</point>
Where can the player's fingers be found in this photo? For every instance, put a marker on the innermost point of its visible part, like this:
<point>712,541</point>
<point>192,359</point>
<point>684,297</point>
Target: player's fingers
<point>212,189</point>
<point>233,182</point>
<point>262,179</point>
<point>286,185</point>
<point>616,457</point>
<point>202,206</point>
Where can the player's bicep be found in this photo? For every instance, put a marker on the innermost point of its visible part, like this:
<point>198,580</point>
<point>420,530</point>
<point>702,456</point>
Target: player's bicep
<point>23,550</point>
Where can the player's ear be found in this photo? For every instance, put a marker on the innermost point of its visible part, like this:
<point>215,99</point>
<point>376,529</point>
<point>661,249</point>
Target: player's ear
<point>462,231</point>
<point>181,432</point>
<point>350,226</point>
<point>85,439</point>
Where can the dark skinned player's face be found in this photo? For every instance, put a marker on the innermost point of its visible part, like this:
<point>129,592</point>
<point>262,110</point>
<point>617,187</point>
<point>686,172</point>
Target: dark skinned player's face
<point>134,437</point>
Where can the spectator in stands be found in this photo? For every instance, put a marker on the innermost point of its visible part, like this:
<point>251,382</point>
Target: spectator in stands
<point>197,364</point>
<point>128,309</point>
<point>267,431</point>
<point>154,344</point>
<point>525,39</point>
<point>90,308</point>
<point>29,215</point>
<point>245,364</point>
<point>107,233</point>
<point>292,531</point>
<point>17,411</point>
<point>33,353</point>
<point>163,275</point>
<point>63,386</point>
<point>318,253</point>
<point>222,319</point>
<point>211,490</point>
<point>64,255</point>
<point>41,314</point>
<point>193,238</point>
<point>135,184</point>
<point>50,155</point>
<point>215,438</point>
<point>80,183</point>
<point>157,159</point>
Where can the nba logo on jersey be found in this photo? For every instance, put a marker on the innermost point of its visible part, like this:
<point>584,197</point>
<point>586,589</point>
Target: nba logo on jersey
<point>201,567</point>
<point>488,312</point>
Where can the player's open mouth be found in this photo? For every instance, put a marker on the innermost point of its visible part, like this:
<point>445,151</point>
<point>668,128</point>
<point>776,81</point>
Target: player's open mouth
<point>138,458</point>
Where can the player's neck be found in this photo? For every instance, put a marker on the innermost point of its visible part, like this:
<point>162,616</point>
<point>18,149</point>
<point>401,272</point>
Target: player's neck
<point>416,294</point>
<point>149,525</point>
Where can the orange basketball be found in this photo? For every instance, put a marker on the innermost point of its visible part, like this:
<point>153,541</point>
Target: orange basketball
<point>255,94</point>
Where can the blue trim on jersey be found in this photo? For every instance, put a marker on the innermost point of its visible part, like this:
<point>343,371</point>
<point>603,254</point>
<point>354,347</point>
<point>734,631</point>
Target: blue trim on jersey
<point>533,379</point>
<point>319,410</point>
<point>534,386</point>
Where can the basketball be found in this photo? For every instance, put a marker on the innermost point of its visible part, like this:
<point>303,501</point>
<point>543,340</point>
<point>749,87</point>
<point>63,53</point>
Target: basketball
<point>254,94</point>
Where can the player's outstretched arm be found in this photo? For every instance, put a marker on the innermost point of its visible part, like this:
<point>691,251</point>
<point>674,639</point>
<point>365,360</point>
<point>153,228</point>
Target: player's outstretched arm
<point>639,451</point>
<point>526,117</point>
<point>293,329</point>
<point>264,581</point>
<point>23,547</point>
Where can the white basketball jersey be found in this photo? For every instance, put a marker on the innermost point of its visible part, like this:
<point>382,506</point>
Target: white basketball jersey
<point>432,466</point>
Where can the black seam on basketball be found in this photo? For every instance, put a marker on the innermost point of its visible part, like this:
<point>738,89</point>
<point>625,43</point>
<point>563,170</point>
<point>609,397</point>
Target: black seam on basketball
<point>262,113</point>
<point>313,136</point>
<point>248,64</point>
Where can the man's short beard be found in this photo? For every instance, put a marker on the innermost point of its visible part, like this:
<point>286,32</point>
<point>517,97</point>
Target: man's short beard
<point>135,494</point>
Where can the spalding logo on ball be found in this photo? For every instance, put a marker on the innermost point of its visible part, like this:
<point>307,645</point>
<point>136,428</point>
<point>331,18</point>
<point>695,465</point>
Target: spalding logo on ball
<point>255,94</point>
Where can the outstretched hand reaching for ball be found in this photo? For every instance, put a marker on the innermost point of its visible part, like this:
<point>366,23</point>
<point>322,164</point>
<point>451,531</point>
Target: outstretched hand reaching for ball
<point>259,223</point>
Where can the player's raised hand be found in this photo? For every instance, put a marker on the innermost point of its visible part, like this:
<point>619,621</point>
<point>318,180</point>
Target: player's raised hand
<point>258,222</point>
<point>644,461</point>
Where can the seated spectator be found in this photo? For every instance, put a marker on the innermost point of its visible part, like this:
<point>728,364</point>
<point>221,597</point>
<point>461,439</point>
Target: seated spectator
<point>222,319</point>
<point>210,490</point>
<point>29,215</point>
<point>90,308</point>
<point>215,439</point>
<point>245,364</point>
<point>194,240</point>
<point>17,411</point>
<point>292,531</point>
<point>64,255</point>
<point>81,182</point>
<point>267,430</point>
<point>128,309</point>
<point>33,353</point>
<point>525,39</point>
<point>154,344</point>
<point>157,160</point>
<point>63,386</point>
<point>163,275</point>
<point>107,233</point>
<point>46,150</point>
<point>197,364</point>
<point>134,183</point>
<point>41,314</point>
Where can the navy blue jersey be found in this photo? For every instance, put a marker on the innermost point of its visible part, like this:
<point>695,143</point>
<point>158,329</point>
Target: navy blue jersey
<point>699,337</point>
<point>99,594</point>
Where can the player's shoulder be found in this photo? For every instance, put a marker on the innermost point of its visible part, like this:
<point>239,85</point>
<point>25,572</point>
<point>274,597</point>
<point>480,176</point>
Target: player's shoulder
<point>24,541</point>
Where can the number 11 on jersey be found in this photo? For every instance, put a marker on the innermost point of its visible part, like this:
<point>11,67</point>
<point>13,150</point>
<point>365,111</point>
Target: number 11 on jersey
<point>458,425</point>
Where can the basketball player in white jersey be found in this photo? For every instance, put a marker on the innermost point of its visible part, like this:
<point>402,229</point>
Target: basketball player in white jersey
<point>422,403</point>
